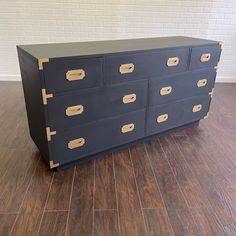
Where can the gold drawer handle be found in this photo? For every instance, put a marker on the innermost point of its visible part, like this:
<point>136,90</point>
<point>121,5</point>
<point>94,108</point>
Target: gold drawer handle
<point>197,108</point>
<point>72,75</point>
<point>74,110</point>
<point>202,83</point>
<point>173,61</point>
<point>127,128</point>
<point>76,143</point>
<point>129,98</point>
<point>205,57</point>
<point>126,68</point>
<point>162,118</point>
<point>166,90</point>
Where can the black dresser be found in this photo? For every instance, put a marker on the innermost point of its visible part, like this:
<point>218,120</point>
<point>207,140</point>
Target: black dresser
<point>88,98</point>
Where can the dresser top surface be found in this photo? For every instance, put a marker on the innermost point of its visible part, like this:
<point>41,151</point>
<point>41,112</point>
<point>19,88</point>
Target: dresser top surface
<point>60,50</point>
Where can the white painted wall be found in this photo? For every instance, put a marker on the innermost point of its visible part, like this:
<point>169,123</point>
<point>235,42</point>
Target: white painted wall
<point>42,21</point>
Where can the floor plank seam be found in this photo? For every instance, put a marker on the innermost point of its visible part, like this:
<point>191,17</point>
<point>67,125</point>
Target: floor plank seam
<point>179,187</point>
<point>162,199</point>
<point>117,204</point>
<point>140,203</point>
<point>45,205</point>
<point>27,189</point>
<point>69,207</point>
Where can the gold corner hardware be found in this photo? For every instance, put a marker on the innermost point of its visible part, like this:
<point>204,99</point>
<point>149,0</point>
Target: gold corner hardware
<point>129,98</point>
<point>41,61</point>
<point>50,133</point>
<point>173,61</point>
<point>221,43</point>
<point>216,67</point>
<point>205,57</point>
<point>197,108</point>
<point>45,96</point>
<point>162,118</point>
<point>74,110</point>
<point>165,90</point>
<point>206,116</point>
<point>53,165</point>
<point>201,83</point>
<point>73,75</point>
<point>211,93</point>
<point>76,143</point>
<point>127,128</point>
<point>126,68</point>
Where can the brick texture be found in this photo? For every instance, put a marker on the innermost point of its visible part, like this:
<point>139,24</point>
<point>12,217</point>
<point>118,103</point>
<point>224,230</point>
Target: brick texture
<point>34,21</point>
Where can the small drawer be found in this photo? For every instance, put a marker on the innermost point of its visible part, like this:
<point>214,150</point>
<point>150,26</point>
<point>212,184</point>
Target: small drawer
<point>207,56</point>
<point>97,136</point>
<point>73,109</point>
<point>171,115</point>
<point>130,67</point>
<point>168,89</point>
<point>73,74</point>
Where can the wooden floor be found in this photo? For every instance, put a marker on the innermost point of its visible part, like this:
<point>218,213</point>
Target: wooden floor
<point>181,184</point>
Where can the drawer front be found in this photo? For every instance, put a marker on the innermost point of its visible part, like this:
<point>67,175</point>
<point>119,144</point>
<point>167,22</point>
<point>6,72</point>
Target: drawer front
<point>95,104</point>
<point>184,85</point>
<point>97,136</point>
<point>73,74</point>
<point>131,67</point>
<point>168,116</point>
<point>207,56</point>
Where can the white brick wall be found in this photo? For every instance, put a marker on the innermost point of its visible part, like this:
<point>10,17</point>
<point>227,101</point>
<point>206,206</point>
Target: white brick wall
<point>42,21</point>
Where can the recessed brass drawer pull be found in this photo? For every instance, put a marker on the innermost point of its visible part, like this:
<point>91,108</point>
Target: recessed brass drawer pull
<point>72,75</point>
<point>162,118</point>
<point>173,61</point>
<point>165,90</point>
<point>74,110</point>
<point>205,57</point>
<point>129,98</point>
<point>197,108</point>
<point>202,83</point>
<point>127,128</point>
<point>126,68</point>
<point>76,143</point>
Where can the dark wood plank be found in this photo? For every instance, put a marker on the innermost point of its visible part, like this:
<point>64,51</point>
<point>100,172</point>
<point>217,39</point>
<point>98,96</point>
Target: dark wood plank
<point>30,215</point>
<point>130,213</point>
<point>156,222</point>
<point>53,223</point>
<point>106,223</point>
<point>60,191</point>
<point>81,209</point>
<point>179,214</point>
<point>186,179</point>
<point>6,223</point>
<point>105,192</point>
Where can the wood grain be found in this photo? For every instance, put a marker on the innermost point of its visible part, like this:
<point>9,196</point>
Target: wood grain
<point>6,223</point>
<point>106,223</point>
<point>105,192</point>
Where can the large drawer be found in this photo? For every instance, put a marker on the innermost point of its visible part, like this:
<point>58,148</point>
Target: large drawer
<point>97,136</point>
<point>176,87</point>
<point>171,115</point>
<point>72,74</point>
<point>75,108</point>
<point>207,56</point>
<point>129,67</point>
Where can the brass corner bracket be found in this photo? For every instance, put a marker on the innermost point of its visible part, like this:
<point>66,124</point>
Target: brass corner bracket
<point>211,93</point>
<point>206,116</point>
<point>45,96</point>
<point>41,61</point>
<point>52,164</point>
<point>50,133</point>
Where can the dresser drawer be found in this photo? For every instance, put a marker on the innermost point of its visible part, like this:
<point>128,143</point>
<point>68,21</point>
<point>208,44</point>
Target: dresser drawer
<point>129,67</point>
<point>183,85</point>
<point>207,56</point>
<point>95,104</point>
<point>73,74</point>
<point>97,136</point>
<point>168,116</point>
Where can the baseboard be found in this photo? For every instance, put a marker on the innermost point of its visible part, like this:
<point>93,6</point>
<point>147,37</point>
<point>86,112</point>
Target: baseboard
<point>17,77</point>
